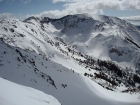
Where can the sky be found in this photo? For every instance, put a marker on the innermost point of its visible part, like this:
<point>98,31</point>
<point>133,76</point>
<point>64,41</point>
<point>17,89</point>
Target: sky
<point>60,8</point>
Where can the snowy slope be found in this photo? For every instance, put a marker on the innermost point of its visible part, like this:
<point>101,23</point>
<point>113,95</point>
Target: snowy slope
<point>33,54</point>
<point>14,94</point>
<point>71,88</point>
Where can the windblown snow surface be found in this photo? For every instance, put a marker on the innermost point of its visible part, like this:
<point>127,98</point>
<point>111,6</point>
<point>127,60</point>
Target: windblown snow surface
<point>14,94</point>
<point>43,54</point>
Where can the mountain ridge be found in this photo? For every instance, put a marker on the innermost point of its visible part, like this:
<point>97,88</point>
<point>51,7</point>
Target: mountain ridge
<point>83,32</point>
<point>41,57</point>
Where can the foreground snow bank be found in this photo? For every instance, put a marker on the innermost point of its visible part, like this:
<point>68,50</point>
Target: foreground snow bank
<point>14,94</point>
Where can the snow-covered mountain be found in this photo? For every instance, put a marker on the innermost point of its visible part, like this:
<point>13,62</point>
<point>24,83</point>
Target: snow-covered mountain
<point>77,59</point>
<point>102,37</point>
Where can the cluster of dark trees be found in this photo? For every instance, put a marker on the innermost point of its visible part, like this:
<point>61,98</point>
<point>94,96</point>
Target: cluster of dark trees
<point>88,75</point>
<point>113,50</point>
<point>115,74</point>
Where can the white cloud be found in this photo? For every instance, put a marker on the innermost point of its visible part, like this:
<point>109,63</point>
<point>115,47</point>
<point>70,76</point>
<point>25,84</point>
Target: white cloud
<point>91,6</point>
<point>132,19</point>
<point>88,6</point>
<point>25,1</point>
<point>105,4</point>
<point>5,16</point>
<point>135,18</point>
<point>1,0</point>
<point>55,1</point>
<point>51,14</point>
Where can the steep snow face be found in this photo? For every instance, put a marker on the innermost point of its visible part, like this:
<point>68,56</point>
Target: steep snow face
<point>14,94</point>
<point>72,27</point>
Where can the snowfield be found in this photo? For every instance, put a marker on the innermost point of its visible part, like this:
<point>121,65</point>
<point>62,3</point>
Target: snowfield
<point>65,59</point>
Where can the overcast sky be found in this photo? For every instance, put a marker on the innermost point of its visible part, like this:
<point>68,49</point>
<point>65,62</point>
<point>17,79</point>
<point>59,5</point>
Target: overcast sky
<point>59,8</point>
